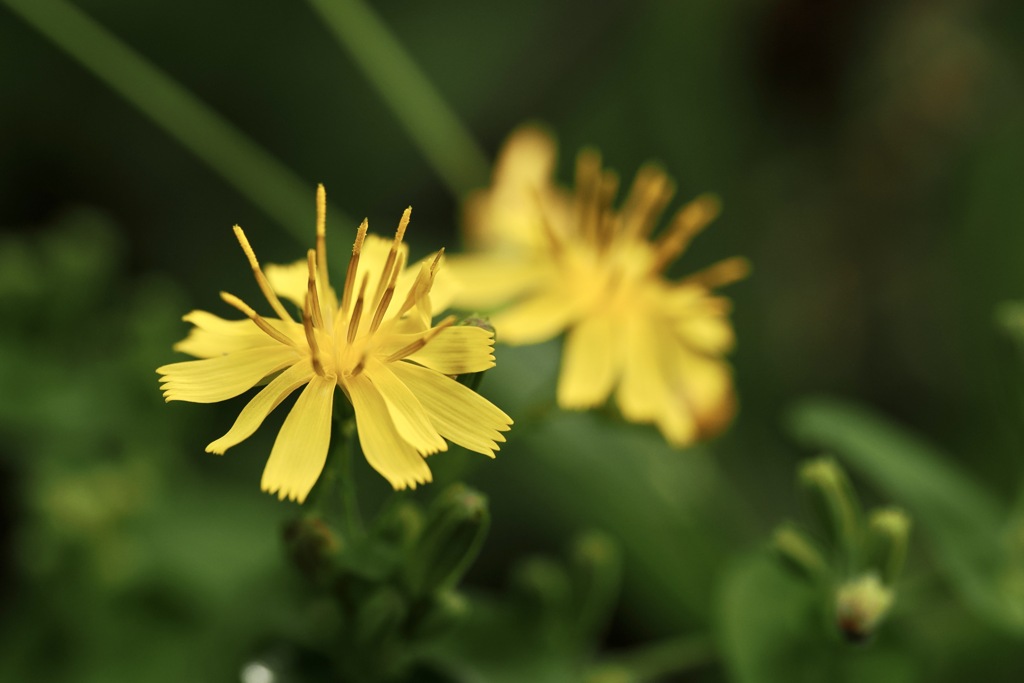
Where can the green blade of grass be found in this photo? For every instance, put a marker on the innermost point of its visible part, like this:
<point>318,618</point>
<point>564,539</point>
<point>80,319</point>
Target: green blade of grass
<point>253,171</point>
<point>421,110</point>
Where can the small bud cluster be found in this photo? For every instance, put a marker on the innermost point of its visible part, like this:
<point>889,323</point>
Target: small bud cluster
<point>859,560</point>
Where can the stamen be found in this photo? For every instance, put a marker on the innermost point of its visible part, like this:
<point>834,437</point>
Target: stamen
<point>651,192</point>
<point>389,293</point>
<point>724,272</point>
<point>421,286</point>
<point>385,273</point>
<point>554,241</point>
<point>312,297</point>
<point>314,348</point>
<point>605,219</point>
<point>321,234</point>
<point>688,222</point>
<point>237,303</point>
<point>588,180</point>
<point>261,279</point>
<point>353,266</point>
<point>422,341</point>
<point>357,310</point>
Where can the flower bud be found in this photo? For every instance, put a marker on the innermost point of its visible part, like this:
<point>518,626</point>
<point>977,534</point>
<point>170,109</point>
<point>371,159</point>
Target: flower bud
<point>888,531</point>
<point>400,525</point>
<point>595,571</point>
<point>799,553</point>
<point>444,610</point>
<point>456,526</point>
<point>312,545</point>
<point>861,605</point>
<point>834,500</point>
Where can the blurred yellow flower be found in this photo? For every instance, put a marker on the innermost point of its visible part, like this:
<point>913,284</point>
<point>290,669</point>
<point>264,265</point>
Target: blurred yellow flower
<point>378,344</point>
<point>550,260</point>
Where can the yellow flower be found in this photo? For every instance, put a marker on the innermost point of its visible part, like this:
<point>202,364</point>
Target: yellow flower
<point>561,261</point>
<point>377,344</point>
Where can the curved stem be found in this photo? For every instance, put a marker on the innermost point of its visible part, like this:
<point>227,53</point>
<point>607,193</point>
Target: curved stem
<point>353,518</point>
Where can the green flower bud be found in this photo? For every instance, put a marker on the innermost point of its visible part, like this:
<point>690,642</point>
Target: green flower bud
<point>595,571</point>
<point>834,500</point>
<point>440,614</point>
<point>888,532</point>
<point>313,546</point>
<point>799,553</point>
<point>861,605</point>
<point>542,584</point>
<point>456,526</point>
<point>400,525</point>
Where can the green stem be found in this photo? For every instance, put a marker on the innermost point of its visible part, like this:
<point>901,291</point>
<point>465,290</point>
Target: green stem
<point>428,120</point>
<point>353,518</point>
<point>657,660</point>
<point>253,171</point>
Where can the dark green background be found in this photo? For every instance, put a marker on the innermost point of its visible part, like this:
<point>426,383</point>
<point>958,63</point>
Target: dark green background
<point>869,156</point>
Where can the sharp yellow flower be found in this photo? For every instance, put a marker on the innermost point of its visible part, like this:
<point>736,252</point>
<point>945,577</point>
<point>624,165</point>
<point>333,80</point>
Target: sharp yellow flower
<point>378,344</point>
<point>560,261</point>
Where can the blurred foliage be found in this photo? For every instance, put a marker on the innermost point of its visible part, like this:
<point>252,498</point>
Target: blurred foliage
<point>868,156</point>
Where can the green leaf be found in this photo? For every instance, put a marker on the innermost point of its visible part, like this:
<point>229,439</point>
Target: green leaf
<point>772,628</point>
<point>959,517</point>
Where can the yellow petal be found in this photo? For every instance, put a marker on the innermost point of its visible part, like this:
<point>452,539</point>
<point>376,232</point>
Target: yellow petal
<point>290,281</point>
<point>385,450</point>
<point>710,335</point>
<point>484,282</point>
<point>261,405</point>
<point>457,350</point>
<point>459,413</point>
<point>708,388</point>
<point>217,379</point>
<point>406,413</point>
<point>300,449</point>
<point>590,364</point>
<point>536,319</point>
<point>652,388</point>
<point>509,213</point>
<point>212,336</point>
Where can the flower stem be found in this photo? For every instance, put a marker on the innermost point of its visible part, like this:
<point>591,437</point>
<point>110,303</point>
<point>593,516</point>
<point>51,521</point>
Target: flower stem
<point>353,518</point>
<point>253,171</point>
<point>421,110</point>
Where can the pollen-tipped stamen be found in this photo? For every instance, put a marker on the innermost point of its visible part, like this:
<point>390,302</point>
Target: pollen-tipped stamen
<point>353,266</point>
<point>651,192</point>
<point>314,348</point>
<point>686,224</point>
<point>554,241</point>
<point>357,310</point>
<point>588,182</point>
<point>421,286</point>
<point>312,296</point>
<point>261,279</point>
<point>389,293</point>
<point>389,264</point>
<point>321,235</point>
<point>725,272</point>
<point>237,303</point>
<point>415,346</point>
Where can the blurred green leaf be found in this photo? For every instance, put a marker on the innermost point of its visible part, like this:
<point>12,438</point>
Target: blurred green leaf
<point>772,629</point>
<point>959,517</point>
